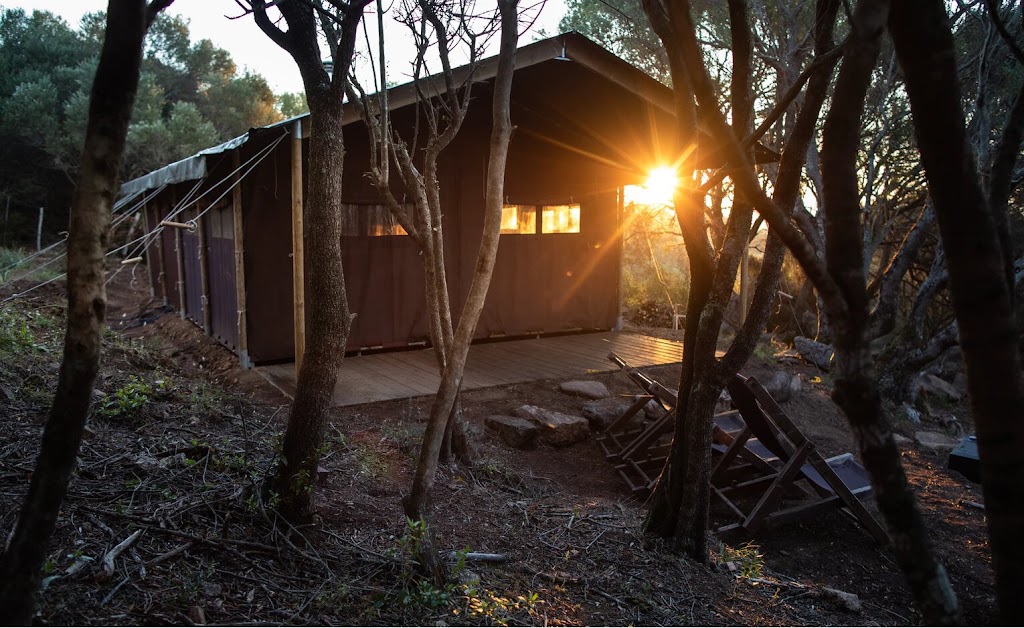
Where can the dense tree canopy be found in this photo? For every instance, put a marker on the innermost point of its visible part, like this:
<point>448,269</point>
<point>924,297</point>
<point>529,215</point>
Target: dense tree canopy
<point>191,96</point>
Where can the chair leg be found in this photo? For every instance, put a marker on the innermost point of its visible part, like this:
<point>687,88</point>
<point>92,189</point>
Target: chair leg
<point>767,502</point>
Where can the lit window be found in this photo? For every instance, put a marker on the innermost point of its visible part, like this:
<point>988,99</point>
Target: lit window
<point>518,219</point>
<point>560,218</point>
<point>379,221</point>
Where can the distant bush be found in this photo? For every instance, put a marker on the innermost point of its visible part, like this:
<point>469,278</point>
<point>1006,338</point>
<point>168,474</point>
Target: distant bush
<point>649,314</point>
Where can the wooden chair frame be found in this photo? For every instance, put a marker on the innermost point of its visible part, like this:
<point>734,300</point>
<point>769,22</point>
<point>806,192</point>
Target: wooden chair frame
<point>637,454</point>
<point>771,425</point>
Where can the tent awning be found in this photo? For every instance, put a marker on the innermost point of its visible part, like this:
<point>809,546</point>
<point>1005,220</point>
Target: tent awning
<point>188,169</point>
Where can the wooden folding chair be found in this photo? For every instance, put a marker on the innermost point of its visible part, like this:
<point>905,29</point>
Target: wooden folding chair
<point>838,482</point>
<point>639,454</point>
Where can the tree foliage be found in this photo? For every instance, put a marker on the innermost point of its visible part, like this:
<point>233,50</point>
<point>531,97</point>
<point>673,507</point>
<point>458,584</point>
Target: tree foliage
<point>191,96</point>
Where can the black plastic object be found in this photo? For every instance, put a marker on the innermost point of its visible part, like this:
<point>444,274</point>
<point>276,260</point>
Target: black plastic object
<point>965,459</point>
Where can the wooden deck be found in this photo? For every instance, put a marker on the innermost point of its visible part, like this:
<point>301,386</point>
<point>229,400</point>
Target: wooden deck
<point>404,374</point>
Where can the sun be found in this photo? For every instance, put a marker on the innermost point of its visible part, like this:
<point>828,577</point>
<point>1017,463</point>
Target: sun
<point>659,189</point>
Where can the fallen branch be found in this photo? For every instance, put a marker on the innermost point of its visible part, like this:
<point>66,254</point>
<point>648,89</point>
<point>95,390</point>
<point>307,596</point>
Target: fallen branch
<point>171,554</point>
<point>107,564</point>
<point>480,557</point>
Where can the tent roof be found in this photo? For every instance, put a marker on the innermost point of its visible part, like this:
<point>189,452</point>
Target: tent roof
<point>567,47</point>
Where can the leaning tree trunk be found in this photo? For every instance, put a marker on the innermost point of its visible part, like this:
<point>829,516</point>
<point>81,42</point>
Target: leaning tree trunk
<point>327,315</point>
<point>856,388</point>
<point>681,499</point>
<point>110,107</point>
<point>923,38</point>
<point>418,504</point>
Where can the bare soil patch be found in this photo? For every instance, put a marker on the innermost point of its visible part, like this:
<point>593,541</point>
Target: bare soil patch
<point>185,468</point>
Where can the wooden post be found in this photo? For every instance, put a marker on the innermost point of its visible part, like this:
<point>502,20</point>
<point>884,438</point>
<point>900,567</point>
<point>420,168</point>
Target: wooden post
<point>145,250</point>
<point>236,215</point>
<point>39,231</point>
<point>179,254</point>
<point>298,250</point>
<point>620,236</point>
<point>161,277</point>
<point>204,277</point>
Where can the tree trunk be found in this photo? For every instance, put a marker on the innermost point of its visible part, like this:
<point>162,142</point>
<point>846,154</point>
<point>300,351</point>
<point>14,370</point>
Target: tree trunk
<point>419,503</point>
<point>327,315</point>
<point>680,503</point>
<point>923,39</point>
<point>856,389</point>
<point>110,107</point>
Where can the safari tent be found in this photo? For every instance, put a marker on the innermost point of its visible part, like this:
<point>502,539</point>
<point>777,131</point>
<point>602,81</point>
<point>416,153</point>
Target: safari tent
<point>587,124</point>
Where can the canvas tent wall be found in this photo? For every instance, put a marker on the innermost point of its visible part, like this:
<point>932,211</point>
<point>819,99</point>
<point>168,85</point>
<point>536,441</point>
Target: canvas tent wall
<point>587,124</point>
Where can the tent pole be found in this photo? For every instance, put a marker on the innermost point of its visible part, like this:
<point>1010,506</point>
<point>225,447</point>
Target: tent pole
<point>236,211</point>
<point>145,250</point>
<point>179,254</point>
<point>204,277</point>
<point>298,250</point>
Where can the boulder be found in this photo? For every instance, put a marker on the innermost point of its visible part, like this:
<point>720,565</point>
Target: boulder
<point>935,442</point>
<point>782,385</point>
<point>846,601</point>
<point>724,403</point>
<point>556,429</point>
<point>585,388</point>
<point>932,386</point>
<point>816,353</point>
<point>901,440</point>
<point>653,410</point>
<point>913,414</point>
<point>513,431</point>
<point>960,383</point>
<point>602,412</point>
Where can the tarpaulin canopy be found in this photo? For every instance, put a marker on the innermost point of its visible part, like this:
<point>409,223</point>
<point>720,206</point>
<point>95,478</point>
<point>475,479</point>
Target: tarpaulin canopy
<point>188,169</point>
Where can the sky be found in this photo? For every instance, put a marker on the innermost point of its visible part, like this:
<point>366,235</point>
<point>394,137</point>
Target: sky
<point>250,48</point>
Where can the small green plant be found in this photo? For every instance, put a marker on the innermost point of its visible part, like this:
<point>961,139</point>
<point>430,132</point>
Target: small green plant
<point>129,398</point>
<point>748,559</point>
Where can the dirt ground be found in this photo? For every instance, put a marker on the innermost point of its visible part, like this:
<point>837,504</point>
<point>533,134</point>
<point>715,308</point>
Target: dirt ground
<point>184,469</point>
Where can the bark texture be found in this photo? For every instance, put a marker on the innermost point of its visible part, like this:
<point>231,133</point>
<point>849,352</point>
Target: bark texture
<point>327,314</point>
<point>680,503</point>
<point>856,388</point>
<point>418,504</point>
<point>110,107</point>
<point>923,38</point>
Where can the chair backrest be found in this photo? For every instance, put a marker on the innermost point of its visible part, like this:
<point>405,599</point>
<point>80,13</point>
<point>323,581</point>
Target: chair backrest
<point>666,396</point>
<point>760,424</point>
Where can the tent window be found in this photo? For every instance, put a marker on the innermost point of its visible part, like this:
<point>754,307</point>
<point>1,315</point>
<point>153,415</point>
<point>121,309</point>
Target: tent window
<point>369,220</point>
<point>560,218</point>
<point>381,222</point>
<point>518,219</point>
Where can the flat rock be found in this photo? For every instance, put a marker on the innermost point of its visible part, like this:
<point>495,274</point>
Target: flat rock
<point>932,386</point>
<point>901,440</point>
<point>513,431</point>
<point>556,429</point>
<point>603,412</point>
<point>846,601</point>
<point>818,354</point>
<point>935,441</point>
<point>585,388</point>
<point>960,382</point>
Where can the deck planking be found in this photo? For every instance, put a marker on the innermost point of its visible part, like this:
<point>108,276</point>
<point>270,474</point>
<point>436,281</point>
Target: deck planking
<point>405,374</point>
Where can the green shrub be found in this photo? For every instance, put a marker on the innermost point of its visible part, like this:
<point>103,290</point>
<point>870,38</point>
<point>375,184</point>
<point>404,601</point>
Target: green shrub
<point>129,398</point>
